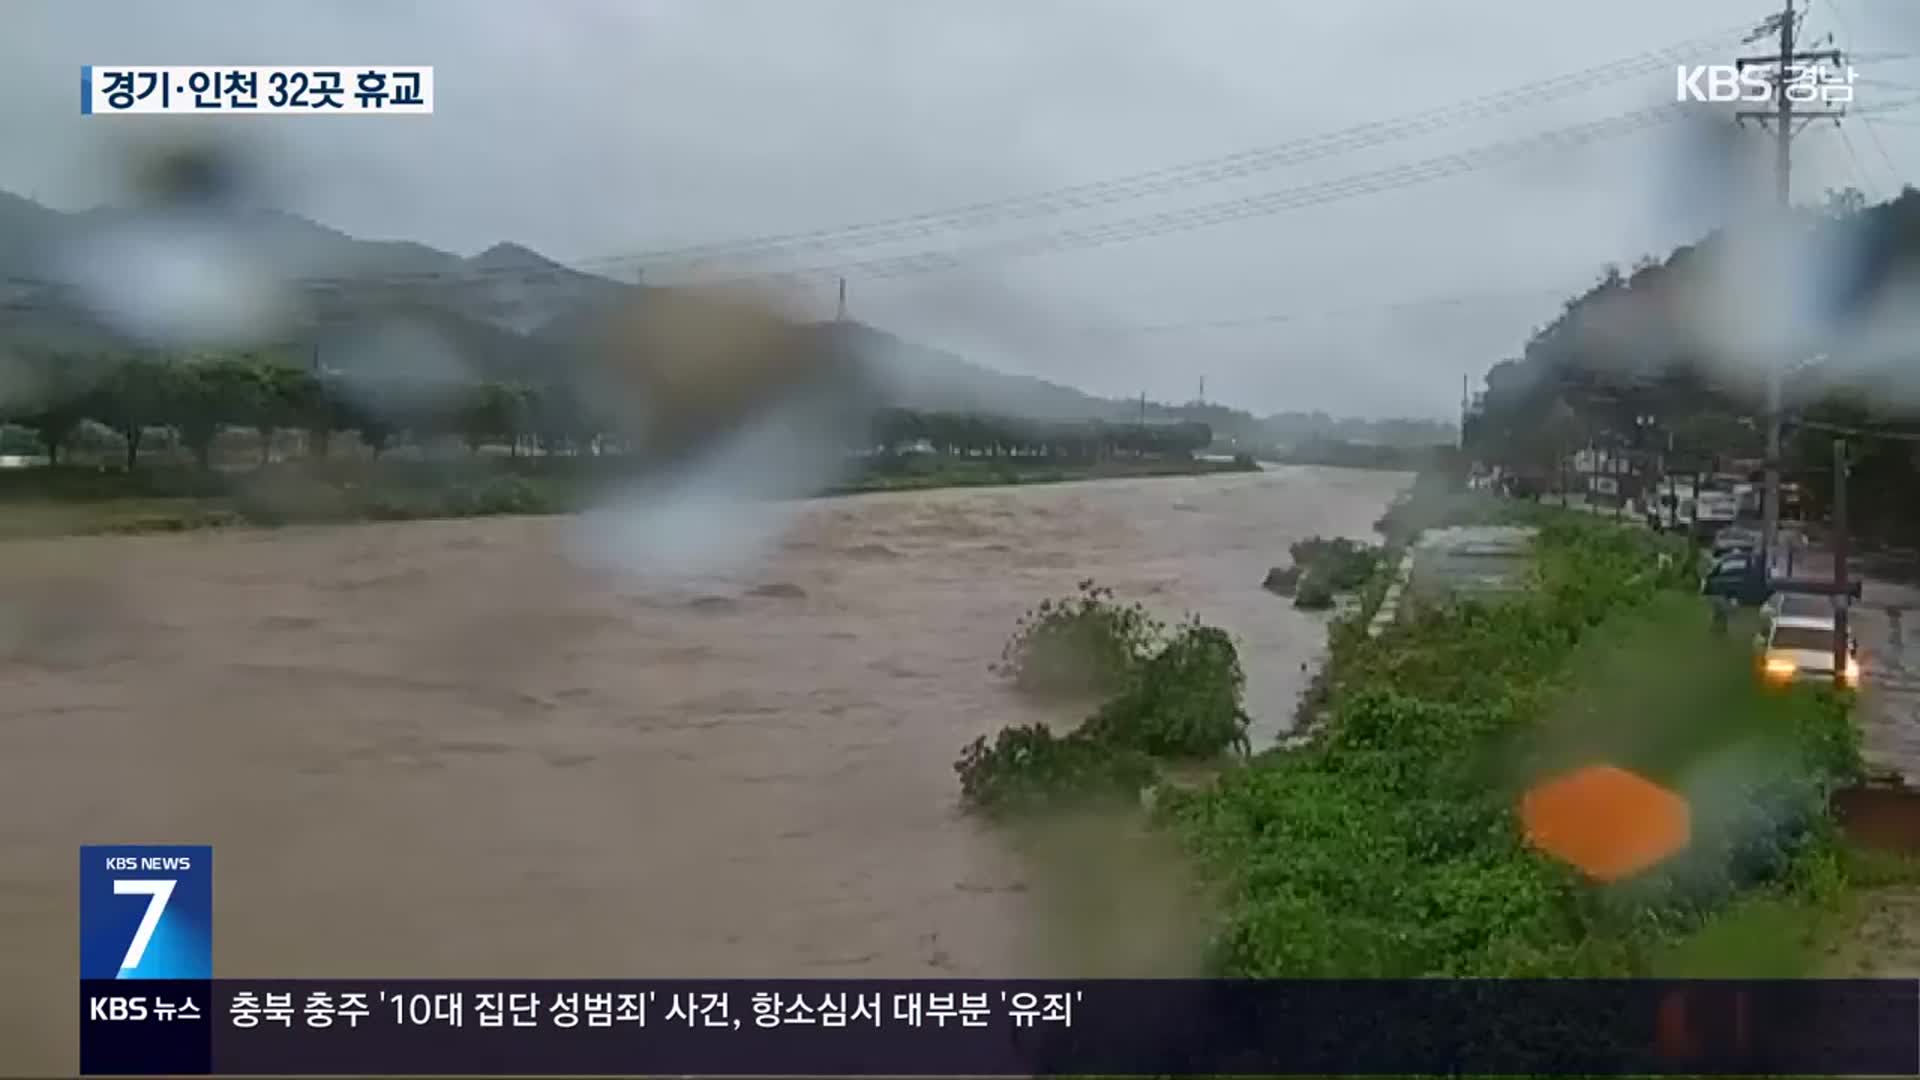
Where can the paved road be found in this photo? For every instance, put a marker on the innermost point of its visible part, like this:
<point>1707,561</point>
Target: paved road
<point>1887,621</point>
<point>1889,629</point>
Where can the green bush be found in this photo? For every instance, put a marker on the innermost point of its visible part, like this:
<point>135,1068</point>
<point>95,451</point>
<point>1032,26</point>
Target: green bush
<point>1313,594</point>
<point>1086,644</point>
<point>1025,769</point>
<point>1390,846</point>
<point>1172,695</point>
<point>1185,702</point>
<point>1341,565</point>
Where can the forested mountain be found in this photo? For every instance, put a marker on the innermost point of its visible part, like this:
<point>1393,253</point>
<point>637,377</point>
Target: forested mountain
<point>1656,360</point>
<point>511,313</point>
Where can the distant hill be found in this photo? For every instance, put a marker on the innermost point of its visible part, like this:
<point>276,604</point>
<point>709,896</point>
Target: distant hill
<point>512,312</point>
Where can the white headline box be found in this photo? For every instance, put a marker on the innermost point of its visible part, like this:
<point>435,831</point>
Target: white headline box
<point>370,89</point>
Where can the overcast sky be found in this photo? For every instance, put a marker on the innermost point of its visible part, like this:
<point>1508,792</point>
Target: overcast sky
<point>589,129</point>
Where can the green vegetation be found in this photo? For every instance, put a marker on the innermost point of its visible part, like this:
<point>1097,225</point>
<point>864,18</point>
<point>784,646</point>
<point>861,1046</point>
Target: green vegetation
<point>1624,369</point>
<point>1391,846</point>
<point>1326,568</point>
<point>141,443</point>
<point>1087,644</point>
<point>1343,454</point>
<point>1173,694</point>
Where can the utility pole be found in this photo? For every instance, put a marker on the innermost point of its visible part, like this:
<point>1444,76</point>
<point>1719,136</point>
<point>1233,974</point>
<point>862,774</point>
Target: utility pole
<point>1466,405</point>
<point>1842,640</point>
<point>1786,64</point>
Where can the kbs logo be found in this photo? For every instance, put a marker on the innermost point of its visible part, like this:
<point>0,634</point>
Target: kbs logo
<point>1803,84</point>
<point>146,912</point>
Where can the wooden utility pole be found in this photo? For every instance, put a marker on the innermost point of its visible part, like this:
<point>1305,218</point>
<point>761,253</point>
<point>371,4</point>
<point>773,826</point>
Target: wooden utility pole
<point>1842,639</point>
<point>1787,66</point>
<point>1466,405</point>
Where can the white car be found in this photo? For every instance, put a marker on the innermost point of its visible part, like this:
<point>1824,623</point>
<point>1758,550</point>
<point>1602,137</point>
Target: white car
<point>1799,648</point>
<point>1796,606</point>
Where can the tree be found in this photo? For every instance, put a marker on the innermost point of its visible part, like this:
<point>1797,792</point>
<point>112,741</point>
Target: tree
<point>135,395</point>
<point>209,395</point>
<point>276,399</point>
<point>488,412</point>
<point>55,398</point>
<point>319,407</point>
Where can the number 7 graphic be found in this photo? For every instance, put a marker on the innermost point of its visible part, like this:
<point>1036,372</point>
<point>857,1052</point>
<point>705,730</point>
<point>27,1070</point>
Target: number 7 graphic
<point>161,890</point>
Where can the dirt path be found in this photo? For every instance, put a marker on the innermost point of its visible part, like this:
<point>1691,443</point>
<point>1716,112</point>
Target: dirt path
<point>1883,941</point>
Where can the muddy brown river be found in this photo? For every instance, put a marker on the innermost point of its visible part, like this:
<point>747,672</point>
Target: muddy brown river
<point>447,749</point>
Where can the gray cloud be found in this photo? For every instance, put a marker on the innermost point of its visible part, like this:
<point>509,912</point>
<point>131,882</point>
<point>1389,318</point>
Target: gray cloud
<point>598,127</point>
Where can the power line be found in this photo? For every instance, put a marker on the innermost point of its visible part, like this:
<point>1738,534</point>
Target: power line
<point>1107,192</point>
<point>1858,433</point>
<point>1206,215</point>
<point>1865,121</point>
<point>1298,316</point>
<point>1198,216</point>
<point>1859,170</point>
<point>1204,171</point>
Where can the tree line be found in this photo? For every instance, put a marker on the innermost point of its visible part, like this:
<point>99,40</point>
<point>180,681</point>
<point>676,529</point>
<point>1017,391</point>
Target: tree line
<point>1620,369</point>
<point>197,398</point>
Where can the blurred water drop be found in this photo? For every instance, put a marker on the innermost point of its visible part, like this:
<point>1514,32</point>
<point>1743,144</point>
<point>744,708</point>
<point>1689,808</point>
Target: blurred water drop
<point>189,175</point>
<point>735,410</point>
<point>397,364</point>
<point>178,279</point>
<point>176,267</point>
<point>728,504</point>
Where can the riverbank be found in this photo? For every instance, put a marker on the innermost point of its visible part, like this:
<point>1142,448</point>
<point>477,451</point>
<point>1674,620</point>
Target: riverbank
<point>1392,840</point>
<point>66,501</point>
<point>1390,843</point>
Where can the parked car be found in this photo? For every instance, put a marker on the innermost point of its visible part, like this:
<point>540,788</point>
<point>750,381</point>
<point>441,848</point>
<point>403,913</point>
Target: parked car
<point>1800,649</point>
<point>1739,578</point>
<point>1735,538</point>
<point>1793,605</point>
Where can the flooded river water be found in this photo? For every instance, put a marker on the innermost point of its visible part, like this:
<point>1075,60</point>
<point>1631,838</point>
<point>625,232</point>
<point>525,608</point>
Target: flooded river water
<point>446,749</point>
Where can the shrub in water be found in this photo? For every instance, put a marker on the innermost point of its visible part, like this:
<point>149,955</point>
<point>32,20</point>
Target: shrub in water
<point>1174,696</point>
<point>1343,565</point>
<point>1086,644</point>
<point>1313,594</point>
<point>1185,703</point>
<point>1028,768</point>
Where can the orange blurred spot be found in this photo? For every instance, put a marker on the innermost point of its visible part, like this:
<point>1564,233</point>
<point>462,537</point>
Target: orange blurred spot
<point>1606,821</point>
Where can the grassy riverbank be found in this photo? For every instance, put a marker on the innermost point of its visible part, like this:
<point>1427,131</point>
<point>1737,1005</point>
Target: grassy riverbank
<point>1391,845</point>
<point>45,501</point>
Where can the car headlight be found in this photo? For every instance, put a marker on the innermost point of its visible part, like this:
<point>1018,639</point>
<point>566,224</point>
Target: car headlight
<point>1779,668</point>
<point>1853,672</point>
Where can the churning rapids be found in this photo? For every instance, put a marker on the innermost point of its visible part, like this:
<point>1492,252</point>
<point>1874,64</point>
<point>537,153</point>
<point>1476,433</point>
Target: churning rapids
<point>447,749</point>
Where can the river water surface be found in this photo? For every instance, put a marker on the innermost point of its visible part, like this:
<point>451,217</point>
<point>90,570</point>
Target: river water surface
<point>446,749</point>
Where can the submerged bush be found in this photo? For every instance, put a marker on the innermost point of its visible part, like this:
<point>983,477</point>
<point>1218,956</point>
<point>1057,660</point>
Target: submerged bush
<point>1312,594</point>
<point>1086,644</point>
<point>1171,695</point>
<point>1342,565</point>
<point>1185,702</point>
<point>1030,768</point>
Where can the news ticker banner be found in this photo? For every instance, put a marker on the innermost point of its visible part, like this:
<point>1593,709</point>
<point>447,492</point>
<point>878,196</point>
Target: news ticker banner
<point>266,1027</point>
<point>257,91</point>
<point>150,1005</point>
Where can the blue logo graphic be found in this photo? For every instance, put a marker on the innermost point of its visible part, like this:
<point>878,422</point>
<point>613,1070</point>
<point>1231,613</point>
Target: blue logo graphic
<point>146,911</point>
